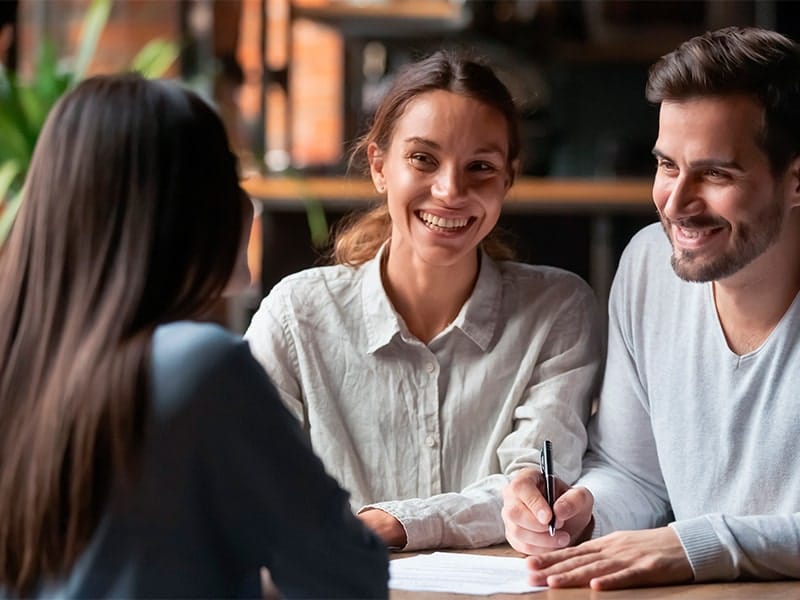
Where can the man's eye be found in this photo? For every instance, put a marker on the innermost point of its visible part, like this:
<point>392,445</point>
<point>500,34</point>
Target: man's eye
<point>715,174</point>
<point>665,165</point>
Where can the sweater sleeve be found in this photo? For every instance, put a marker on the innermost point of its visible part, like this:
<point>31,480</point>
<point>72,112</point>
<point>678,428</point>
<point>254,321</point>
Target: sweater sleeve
<point>555,406</point>
<point>725,547</point>
<point>621,467</point>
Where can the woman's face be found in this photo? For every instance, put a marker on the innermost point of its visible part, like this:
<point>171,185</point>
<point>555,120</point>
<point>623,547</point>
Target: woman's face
<point>445,173</point>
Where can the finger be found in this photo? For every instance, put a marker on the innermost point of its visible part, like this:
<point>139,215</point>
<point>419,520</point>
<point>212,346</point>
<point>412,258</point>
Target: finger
<point>624,578</point>
<point>525,488</point>
<point>533,542</point>
<point>542,562</point>
<point>572,572</point>
<point>583,575</point>
<point>516,513</point>
<point>575,502</point>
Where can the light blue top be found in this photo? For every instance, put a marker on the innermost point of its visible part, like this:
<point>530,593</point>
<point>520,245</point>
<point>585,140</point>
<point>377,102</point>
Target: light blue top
<point>690,432</point>
<point>227,485</point>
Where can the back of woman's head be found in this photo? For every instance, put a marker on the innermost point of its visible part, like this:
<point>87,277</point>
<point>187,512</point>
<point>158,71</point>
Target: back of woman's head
<point>133,189</point>
<point>360,237</point>
<point>131,217</point>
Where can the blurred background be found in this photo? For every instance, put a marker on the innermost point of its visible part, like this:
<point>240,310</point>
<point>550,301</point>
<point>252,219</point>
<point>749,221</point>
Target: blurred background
<point>296,82</point>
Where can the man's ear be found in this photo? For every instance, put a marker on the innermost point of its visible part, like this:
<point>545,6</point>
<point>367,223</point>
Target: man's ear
<point>375,158</point>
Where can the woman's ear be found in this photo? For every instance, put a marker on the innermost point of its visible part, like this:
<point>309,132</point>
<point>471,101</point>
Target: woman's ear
<point>375,158</point>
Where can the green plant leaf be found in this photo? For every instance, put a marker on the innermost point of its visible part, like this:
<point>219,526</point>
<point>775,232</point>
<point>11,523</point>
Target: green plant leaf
<point>15,130</point>
<point>46,75</point>
<point>93,24</point>
<point>317,222</point>
<point>15,144</point>
<point>8,172</point>
<point>155,58</point>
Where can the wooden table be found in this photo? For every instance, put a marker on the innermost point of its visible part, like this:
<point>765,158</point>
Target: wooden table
<point>781,590</point>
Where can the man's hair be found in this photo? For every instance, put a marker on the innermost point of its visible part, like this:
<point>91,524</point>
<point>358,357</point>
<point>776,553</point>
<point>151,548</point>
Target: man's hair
<point>734,60</point>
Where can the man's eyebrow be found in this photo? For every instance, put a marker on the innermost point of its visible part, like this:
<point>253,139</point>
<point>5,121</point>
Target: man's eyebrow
<point>705,163</point>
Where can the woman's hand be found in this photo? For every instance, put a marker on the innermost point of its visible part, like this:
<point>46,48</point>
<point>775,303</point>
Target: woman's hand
<point>385,526</point>
<point>526,514</point>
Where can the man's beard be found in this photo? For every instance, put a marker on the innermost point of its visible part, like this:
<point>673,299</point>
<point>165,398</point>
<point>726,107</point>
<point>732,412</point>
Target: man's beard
<point>750,241</point>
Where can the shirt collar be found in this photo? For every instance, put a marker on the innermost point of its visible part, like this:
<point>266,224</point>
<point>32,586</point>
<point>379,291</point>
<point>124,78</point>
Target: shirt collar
<point>478,317</point>
<point>480,314</point>
<point>382,321</point>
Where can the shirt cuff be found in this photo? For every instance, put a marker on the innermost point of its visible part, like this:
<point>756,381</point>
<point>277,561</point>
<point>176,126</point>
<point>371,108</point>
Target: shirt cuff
<point>388,507</point>
<point>703,548</point>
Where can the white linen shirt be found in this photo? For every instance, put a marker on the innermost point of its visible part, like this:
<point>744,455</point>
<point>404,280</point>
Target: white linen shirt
<point>431,433</point>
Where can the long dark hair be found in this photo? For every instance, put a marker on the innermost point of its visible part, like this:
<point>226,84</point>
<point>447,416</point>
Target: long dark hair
<point>359,237</point>
<point>131,218</point>
<point>753,61</point>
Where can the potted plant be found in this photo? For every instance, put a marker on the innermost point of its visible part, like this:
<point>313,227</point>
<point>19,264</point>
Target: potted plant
<point>24,105</point>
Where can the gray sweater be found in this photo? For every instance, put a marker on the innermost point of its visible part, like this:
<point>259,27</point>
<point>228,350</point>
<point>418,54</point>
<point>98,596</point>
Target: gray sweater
<point>692,434</point>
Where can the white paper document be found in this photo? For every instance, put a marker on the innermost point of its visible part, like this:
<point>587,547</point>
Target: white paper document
<point>460,573</point>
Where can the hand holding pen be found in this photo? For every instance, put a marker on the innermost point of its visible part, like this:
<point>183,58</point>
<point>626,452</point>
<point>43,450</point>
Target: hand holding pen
<point>549,477</point>
<point>530,528</point>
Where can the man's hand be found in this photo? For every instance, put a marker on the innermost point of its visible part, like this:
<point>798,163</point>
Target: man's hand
<point>385,526</point>
<point>526,514</point>
<point>619,560</point>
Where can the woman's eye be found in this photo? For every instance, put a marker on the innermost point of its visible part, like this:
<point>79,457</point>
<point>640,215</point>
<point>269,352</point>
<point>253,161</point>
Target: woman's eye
<point>421,160</point>
<point>482,167</point>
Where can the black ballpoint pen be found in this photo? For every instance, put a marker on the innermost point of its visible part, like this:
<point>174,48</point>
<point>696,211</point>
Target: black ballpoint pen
<point>546,464</point>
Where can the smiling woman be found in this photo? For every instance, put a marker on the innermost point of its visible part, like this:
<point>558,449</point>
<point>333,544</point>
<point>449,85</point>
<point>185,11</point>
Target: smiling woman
<point>427,368</point>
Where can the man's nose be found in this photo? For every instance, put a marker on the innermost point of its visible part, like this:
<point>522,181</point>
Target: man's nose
<point>684,199</point>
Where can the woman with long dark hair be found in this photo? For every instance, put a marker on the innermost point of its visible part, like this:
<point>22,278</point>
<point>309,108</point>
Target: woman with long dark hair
<point>143,453</point>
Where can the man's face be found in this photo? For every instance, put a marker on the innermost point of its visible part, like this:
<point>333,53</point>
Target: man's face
<point>718,201</point>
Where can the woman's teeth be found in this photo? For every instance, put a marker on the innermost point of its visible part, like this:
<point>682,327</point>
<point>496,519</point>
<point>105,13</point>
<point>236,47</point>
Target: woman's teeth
<point>442,222</point>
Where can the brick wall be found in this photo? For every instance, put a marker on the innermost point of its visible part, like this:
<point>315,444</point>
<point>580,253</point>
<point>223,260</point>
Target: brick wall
<point>311,121</point>
<point>131,24</point>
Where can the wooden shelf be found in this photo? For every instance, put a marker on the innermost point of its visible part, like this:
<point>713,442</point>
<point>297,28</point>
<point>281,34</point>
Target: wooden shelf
<point>388,19</point>
<point>528,194</point>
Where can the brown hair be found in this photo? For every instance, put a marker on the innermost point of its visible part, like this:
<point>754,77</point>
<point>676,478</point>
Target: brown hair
<point>131,218</point>
<point>359,236</point>
<point>753,61</point>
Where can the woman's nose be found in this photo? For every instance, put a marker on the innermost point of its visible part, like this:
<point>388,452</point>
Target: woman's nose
<point>448,185</point>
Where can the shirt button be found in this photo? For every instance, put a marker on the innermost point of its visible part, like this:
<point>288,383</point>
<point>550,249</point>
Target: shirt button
<point>430,367</point>
<point>430,441</point>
